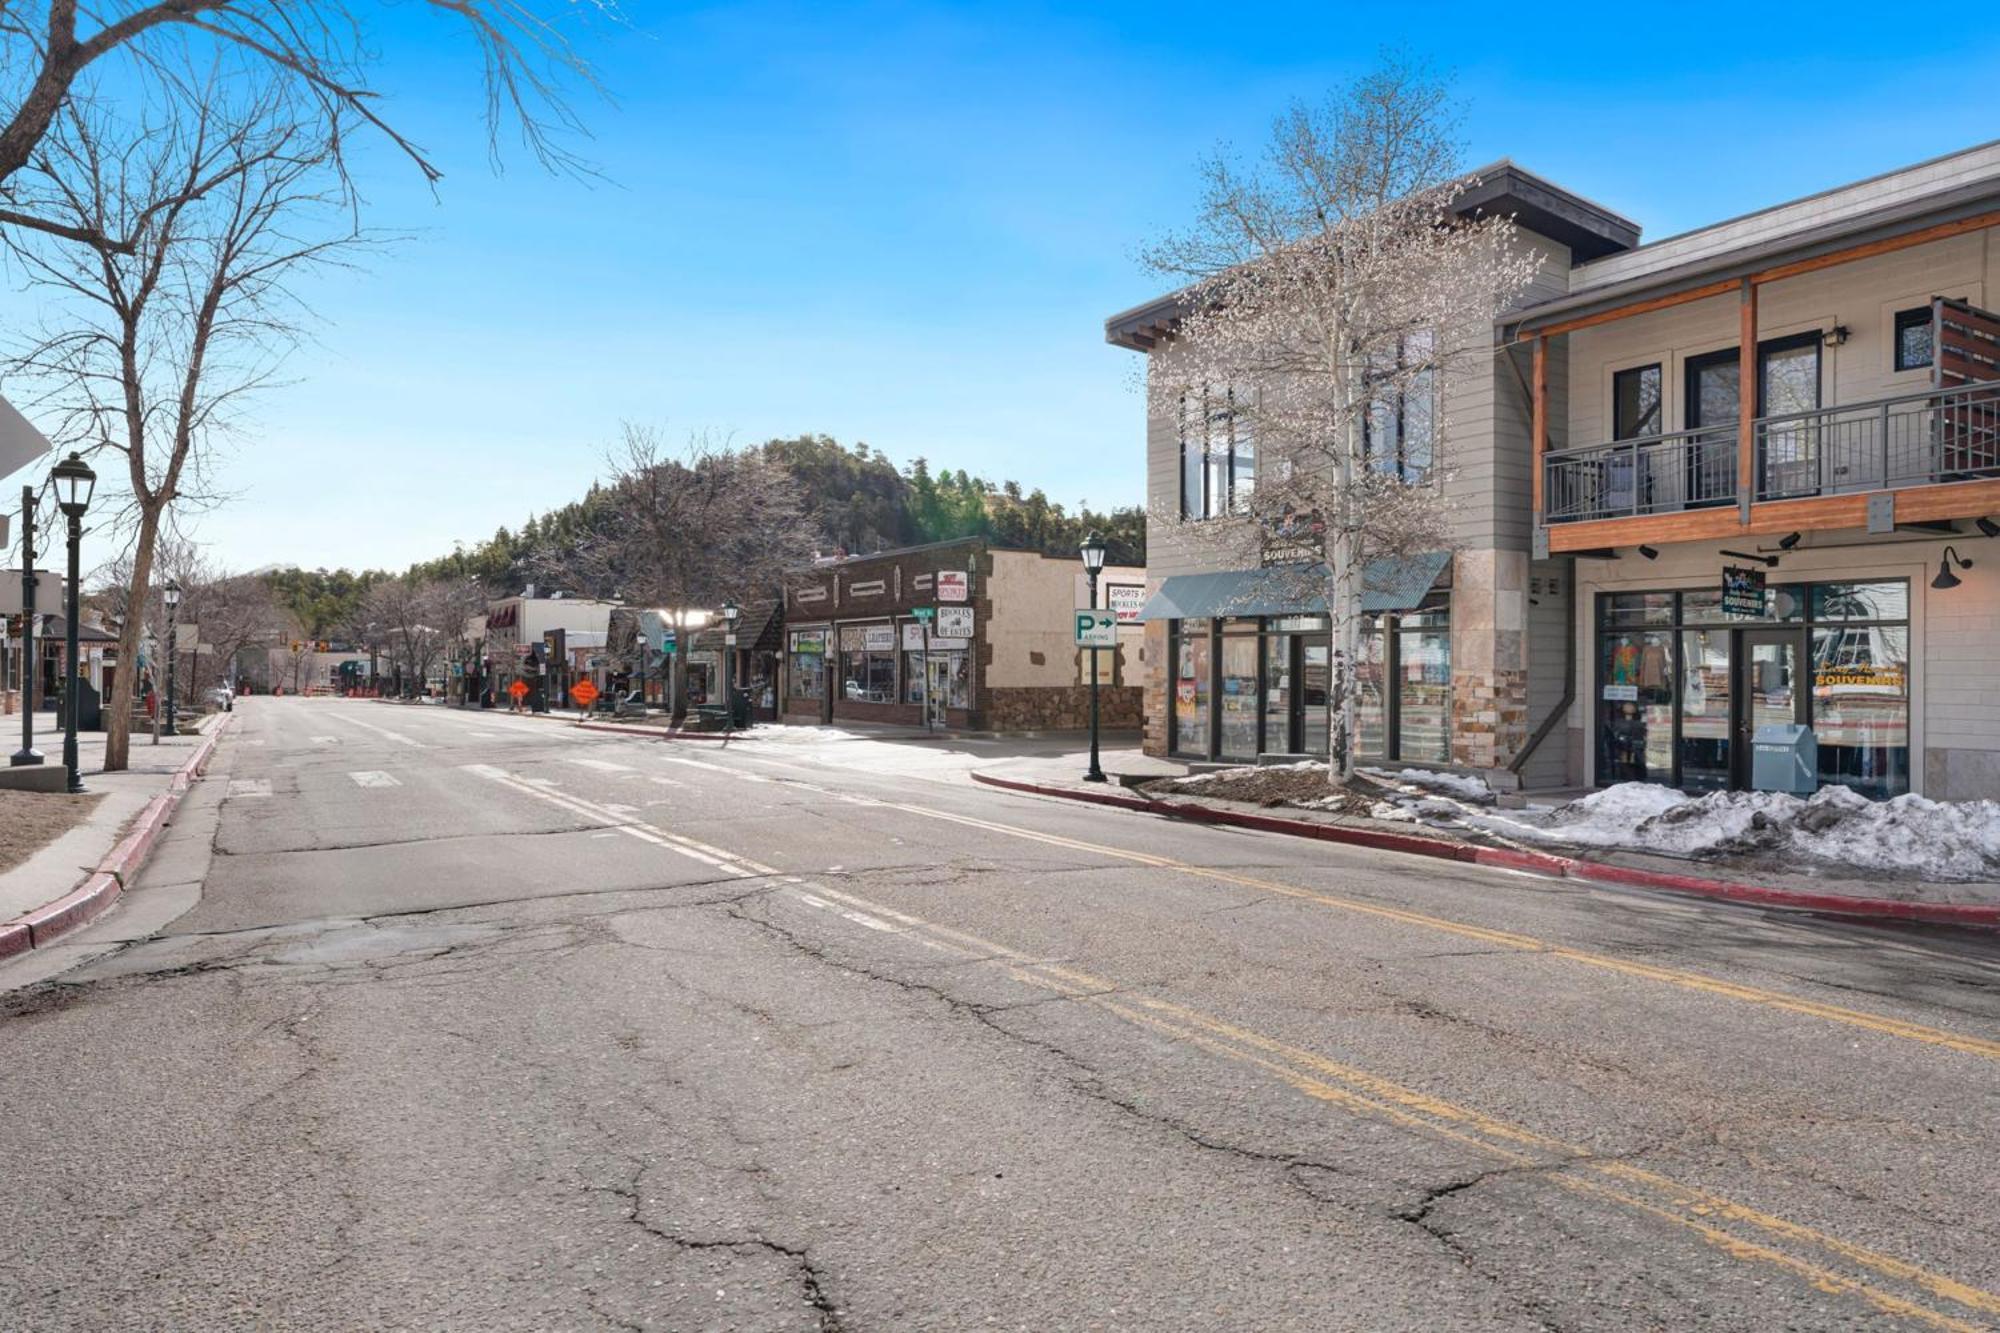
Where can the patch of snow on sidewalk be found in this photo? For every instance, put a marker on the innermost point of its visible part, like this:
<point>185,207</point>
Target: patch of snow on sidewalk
<point>1451,784</point>
<point>1909,835</point>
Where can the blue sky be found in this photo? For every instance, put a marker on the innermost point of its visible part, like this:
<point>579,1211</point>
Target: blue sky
<point>905,223</point>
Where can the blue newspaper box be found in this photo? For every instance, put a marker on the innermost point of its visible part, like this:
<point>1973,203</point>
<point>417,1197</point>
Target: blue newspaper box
<point>1785,758</point>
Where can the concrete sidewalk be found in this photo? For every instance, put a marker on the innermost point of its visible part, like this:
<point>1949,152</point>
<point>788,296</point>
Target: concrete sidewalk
<point>67,862</point>
<point>1959,903</point>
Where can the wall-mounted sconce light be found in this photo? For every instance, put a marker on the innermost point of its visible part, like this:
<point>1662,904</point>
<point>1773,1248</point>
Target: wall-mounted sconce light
<point>1945,578</point>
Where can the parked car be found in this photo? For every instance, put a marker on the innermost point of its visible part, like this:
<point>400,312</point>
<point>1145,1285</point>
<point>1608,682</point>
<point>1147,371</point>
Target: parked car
<point>221,697</point>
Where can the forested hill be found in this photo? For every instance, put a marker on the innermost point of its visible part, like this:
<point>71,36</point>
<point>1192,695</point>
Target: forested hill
<point>861,502</point>
<point>859,499</point>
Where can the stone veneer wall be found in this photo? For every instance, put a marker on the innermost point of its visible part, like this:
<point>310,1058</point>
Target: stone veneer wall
<point>1062,708</point>
<point>1489,658</point>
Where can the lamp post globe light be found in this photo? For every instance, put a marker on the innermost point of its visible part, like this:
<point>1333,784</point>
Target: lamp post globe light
<point>171,595</point>
<point>1093,565</point>
<point>74,484</point>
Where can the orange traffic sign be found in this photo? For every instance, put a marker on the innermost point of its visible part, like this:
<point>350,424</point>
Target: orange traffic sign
<point>518,688</point>
<point>584,693</point>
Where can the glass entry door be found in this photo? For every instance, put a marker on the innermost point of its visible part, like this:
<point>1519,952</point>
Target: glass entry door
<point>937,687</point>
<point>1768,689</point>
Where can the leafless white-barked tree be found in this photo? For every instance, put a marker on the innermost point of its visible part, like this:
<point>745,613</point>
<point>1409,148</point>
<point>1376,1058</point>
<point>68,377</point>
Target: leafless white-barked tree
<point>1331,290</point>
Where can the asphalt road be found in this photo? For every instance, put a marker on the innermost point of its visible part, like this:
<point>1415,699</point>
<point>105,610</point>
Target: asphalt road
<point>487,1023</point>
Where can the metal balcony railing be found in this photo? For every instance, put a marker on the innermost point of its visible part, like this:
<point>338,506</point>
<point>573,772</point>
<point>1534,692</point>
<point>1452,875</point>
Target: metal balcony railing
<point>1653,474</point>
<point>1916,439</point>
<point>1913,440</point>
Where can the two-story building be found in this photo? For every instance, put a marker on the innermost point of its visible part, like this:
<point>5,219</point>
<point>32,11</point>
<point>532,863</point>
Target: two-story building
<point>958,635</point>
<point>1654,561</point>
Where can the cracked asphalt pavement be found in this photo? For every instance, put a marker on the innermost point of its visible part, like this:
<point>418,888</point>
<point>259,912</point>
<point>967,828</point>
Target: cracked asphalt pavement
<point>434,1020</point>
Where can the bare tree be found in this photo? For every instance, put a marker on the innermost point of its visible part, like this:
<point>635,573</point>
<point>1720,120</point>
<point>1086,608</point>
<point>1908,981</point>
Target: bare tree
<point>319,50</point>
<point>418,620</point>
<point>1332,290</point>
<point>146,356</point>
<point>690,532</point>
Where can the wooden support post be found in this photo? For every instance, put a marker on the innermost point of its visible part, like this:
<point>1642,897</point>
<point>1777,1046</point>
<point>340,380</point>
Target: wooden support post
<point>1539,431</point>
<point>1746,402</point>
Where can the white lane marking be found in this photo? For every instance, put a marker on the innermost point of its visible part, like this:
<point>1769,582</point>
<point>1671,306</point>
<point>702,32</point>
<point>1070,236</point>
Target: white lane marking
<point>374,778</point>
<point>669,782</point>
<point>249,786</point>
<point>673,842</point>
<point>859,918</point>
<point>384,732</point>
<point>326,740</point>
<point>601,765</point>
<point>627,810</point>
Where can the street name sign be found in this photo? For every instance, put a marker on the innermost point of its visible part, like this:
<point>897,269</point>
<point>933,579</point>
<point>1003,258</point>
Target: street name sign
<point>1096,629</point>
<point>924,613</point>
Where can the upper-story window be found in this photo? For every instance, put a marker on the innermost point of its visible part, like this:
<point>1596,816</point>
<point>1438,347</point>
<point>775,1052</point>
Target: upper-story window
<point>1400,431</point>
<point>1913,338</point>
<point>1218,456</point>
<point>1635,403</point>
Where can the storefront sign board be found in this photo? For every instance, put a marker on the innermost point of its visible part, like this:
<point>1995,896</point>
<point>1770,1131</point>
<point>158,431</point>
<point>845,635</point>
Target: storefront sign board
<point>1742,591</point>
<point>952,586</point>
<point>1126,600</point>
<point>878,638</point>
<point>954,622</point>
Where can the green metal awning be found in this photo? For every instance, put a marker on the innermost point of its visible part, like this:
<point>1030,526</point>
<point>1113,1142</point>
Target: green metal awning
<point>1293,590</point>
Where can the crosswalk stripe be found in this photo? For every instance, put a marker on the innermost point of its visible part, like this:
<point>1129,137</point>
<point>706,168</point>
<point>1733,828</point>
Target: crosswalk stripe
<point>374,778</point>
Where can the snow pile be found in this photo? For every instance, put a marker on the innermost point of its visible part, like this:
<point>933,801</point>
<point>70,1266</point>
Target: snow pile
<point>1933,840</point>
<point>1451,784</point>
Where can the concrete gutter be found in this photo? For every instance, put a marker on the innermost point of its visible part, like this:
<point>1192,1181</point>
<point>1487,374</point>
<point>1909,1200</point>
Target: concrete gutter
<point>119,868</point>
<point>1557,867</point>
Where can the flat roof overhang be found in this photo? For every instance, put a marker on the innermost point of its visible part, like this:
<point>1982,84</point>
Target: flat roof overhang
<point>1969,208</point>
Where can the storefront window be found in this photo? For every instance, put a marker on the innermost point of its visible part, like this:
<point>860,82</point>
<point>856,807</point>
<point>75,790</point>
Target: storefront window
<point>1423,676</point>
<point>808,664</point>
<point>1673,703</point>
<point>1706,694</point>
<point>868,663</point>
<point>1371,705</point>
<point>1191,687</point>
<point>1239,689</point>
<point>1861,706</point>
<point>1635,717</point>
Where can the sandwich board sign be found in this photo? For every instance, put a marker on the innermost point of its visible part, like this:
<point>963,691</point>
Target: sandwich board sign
<point>1096,629</point>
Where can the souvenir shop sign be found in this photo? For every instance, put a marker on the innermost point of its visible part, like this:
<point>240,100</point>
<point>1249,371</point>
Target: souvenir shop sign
<point>1742,591</point>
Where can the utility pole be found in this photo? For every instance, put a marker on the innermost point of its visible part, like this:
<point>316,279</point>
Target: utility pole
<point>30,668</point>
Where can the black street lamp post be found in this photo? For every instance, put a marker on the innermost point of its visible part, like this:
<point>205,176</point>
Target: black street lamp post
<point>729,613</point>
<point>1093,564</point>
<point>74,483</point>
<point>30,668</point>
<point>171,595</point>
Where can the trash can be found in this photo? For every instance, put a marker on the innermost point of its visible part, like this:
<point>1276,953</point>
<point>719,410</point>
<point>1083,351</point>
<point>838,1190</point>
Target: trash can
<point>1785,758</point>
<point>739,708</point>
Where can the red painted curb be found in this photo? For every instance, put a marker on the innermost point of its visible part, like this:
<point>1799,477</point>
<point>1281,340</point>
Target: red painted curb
<point>89,900</point>
<point>1565,867</point>
<point>82,904</point>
